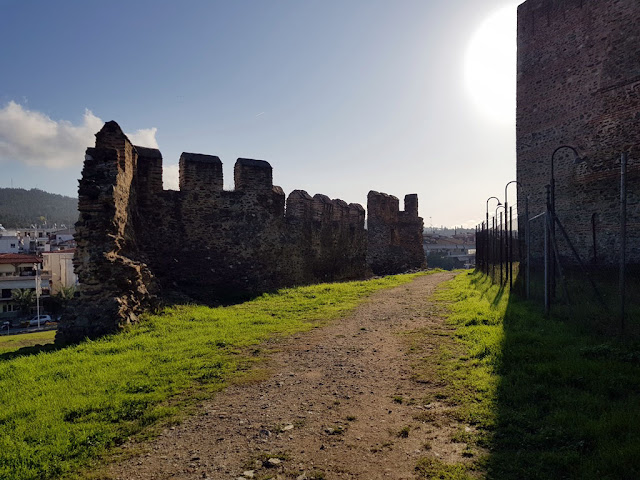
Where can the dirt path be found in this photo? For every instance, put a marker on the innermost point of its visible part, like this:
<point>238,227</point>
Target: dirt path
<point>342,402</point>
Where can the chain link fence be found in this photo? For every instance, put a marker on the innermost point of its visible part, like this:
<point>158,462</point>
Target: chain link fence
<point>542,263</point>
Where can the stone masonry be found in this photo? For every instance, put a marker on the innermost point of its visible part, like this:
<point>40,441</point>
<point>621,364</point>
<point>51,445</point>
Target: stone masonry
<point>139,245</point>
<point>116,284</point>
<point>395,237</point>
<point>579,85</point>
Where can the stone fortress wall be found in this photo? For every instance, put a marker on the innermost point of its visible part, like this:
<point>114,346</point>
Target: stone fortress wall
<point>138,243</point>
<point>579,85</point>
<point>395,237</point>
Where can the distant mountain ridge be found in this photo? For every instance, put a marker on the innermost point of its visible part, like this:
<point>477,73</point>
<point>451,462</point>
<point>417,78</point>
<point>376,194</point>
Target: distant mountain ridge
<point>20,208</point>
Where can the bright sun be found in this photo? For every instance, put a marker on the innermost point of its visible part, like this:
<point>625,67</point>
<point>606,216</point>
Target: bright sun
<point>490,66</point>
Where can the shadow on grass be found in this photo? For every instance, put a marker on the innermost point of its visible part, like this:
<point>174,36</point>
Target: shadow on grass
<point>31,350</point>
<point>169,302</point>
<point>482,283</point>
<point>568,400</point>
<point>498,297</point>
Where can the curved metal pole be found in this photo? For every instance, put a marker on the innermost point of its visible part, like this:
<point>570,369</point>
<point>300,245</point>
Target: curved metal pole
<point>499,239</point>
<point>552,181</point>
<point>505,188</point>
<point>575,152</point>
<point>487,219</point>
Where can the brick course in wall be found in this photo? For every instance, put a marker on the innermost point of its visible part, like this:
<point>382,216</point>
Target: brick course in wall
<point>139,244</point>
<point>579,85</point>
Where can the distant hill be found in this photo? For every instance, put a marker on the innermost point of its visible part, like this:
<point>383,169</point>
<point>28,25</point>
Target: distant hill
<point>22,208</point>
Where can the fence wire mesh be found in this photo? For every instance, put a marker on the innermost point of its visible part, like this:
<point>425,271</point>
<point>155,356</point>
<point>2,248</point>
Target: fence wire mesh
<point>541,262</point>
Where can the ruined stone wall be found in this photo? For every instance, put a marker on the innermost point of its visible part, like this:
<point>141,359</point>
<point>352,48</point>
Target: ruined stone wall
<point>115,284</point>
<point>579,85</point>
<point>208,243</point>
<point>394,236</point>
<point>138,243</point>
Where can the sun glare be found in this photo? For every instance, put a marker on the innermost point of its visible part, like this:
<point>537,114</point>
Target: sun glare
<point>490,66</point>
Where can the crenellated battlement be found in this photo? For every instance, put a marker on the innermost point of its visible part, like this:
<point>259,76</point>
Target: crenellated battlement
<point>300,206</point>
<point>198,172</point>
<point>201,173</point>
<point>204,243</point>
<point>381,205</point>
<point>252,175</point>
<point>387,207</point>
<point>303,207</point>
<point>395,236</point>
<point>411,204</point>
<point>149,172</point>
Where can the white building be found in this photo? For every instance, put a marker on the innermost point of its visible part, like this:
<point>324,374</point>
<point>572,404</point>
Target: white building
<point>462,248</point>
<point>58,266</point>
<point>18,271</point>
<point>63,236</point>
<point>9,241</point>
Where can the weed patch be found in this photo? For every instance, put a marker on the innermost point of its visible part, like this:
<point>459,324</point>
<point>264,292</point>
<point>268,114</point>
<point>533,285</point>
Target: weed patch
<point>431,468</point>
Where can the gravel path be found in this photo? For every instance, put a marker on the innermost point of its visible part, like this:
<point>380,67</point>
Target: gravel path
<point>336,405</point>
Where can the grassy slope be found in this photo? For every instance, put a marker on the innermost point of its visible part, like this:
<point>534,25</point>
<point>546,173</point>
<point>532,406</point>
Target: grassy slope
<point>63,409</point>
<point>549,399</point>
<point>11,343</point>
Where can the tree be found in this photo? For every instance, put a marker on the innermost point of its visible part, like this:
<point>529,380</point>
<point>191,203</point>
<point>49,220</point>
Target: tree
<point>20,208</point>
<point>60,300</point>
<point>23,297</point>
<point>66,293</point>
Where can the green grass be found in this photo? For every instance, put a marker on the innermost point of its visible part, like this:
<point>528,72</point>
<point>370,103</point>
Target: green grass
<point>11,343</point>
<point>594,310</point>
<point>63,410</point>
<point>550,399</point>
<point>432,468</point>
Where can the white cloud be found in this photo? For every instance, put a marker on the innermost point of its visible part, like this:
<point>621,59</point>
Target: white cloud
<point>170,177</point>
<point>145,137</point>
<point>34,139</point>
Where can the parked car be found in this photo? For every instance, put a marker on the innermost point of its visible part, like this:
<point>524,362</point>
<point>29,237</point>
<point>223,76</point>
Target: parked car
<point>43,319</point>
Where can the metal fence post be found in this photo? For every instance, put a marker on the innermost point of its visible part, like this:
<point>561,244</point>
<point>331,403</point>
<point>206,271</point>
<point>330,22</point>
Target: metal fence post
<point>484,248</point>
<point>527,230</point>
<point>500,247</point>
<point>593,233</point>
<point>547,303</point>
<point>510,248</point>
<point>485,257</point>
<point>493,252</point>
<point>623,236</point>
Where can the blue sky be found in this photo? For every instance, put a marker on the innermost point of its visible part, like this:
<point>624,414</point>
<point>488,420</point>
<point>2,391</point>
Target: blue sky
<point>341,97</point>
